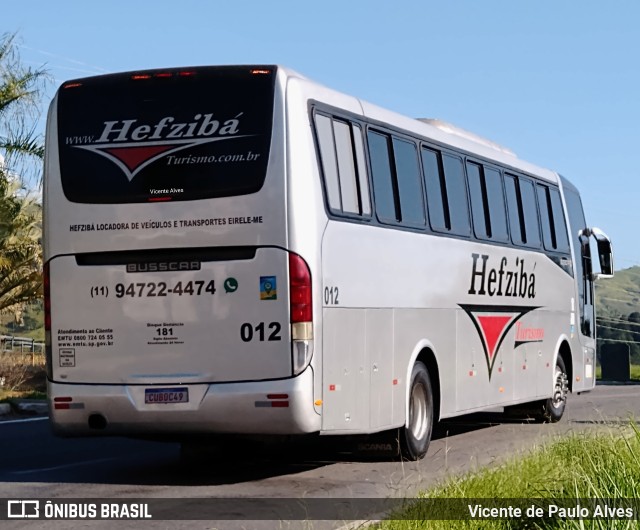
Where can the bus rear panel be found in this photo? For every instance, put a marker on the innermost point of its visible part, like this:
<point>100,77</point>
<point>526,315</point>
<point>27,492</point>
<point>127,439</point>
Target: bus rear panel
<point>167,272</point>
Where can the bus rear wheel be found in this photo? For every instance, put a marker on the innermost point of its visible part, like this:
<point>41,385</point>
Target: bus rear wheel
<point>416,435</point>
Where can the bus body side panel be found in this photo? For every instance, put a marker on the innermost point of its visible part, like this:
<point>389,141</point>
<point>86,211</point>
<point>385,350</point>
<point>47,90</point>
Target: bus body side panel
<point>387,306</point>
<point>307,218</point>
<point>491,350</point>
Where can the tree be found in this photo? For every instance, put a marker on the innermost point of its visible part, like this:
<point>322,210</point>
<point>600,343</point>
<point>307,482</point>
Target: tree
<point>20,150</point>
<point>20,93</point>
<point>20,248</point>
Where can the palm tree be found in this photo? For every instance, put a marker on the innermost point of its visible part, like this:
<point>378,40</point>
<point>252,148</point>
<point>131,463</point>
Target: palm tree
<point>20,249</point>
<point>20,150</point>
<point>20,93</point>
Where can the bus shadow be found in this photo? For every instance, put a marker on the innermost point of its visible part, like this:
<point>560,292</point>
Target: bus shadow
<point>474,422</point>
<point>143,463</point>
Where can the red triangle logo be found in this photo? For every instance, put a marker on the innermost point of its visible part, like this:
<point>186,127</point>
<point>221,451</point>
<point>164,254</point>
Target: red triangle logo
<point>493,326</point>
<point>132,157</point>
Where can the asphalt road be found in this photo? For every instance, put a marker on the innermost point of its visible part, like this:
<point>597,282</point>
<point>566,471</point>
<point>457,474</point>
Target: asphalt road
<point>35,464</point>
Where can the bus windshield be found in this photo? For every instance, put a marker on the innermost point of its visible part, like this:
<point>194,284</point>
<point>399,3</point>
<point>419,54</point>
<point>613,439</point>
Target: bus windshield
<point>165,134</point>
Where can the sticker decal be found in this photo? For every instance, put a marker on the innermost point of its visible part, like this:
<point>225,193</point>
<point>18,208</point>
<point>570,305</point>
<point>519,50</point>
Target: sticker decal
<point>492,324</point>
<point>67,357</point>
<point>268,288</point>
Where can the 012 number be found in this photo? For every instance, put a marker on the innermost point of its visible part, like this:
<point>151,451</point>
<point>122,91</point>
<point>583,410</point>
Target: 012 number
<point>331,296</point>
<point>249,332</point>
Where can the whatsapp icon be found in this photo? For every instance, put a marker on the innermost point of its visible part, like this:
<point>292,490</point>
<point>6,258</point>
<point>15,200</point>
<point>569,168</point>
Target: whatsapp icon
<point>230,285</point>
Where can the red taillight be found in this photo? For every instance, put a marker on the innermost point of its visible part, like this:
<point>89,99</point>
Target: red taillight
<point>300,290</point>
<point>47,298</point>
<point>46,284</point>
<point>162,75</point>
<point>277,396</point>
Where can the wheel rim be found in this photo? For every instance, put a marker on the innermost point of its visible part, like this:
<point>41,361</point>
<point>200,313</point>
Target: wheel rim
<point>418,422</point>
<point>561,389</point>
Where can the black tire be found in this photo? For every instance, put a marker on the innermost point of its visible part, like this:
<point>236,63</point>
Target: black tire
<point>415,437</point>
<point>553,408</point>
<point>548,410</point>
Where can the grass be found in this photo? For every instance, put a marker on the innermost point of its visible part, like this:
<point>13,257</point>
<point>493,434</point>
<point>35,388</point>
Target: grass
<point>6,396</point>
<point>634,372</point>
<point>582,466</point>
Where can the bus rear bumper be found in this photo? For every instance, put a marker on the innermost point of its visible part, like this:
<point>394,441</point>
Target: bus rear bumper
<point>269,407</point>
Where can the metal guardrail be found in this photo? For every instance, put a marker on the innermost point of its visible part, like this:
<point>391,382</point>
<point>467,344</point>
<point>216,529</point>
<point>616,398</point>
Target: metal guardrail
<point>21,344</point>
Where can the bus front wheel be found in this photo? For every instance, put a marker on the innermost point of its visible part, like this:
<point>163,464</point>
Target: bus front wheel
<point>553,408</point>
<point>415,436</point>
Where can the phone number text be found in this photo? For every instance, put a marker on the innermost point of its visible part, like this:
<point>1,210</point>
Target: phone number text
<point>150,289</point>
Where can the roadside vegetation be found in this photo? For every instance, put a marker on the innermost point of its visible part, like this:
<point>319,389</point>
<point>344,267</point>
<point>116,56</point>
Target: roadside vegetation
<point>605,465</point>
<point>618,311</point>
<point>634,374</point>
<point>21,154</point>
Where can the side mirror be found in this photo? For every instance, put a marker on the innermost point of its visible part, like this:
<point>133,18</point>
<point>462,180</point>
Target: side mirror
<point>605,251</point>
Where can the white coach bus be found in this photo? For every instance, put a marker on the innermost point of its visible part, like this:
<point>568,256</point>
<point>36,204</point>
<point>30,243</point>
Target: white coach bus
<point>241,250</point>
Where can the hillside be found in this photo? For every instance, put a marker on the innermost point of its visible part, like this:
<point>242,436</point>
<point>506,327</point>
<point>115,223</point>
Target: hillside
<point>618,310</point>
<point>619,295</point>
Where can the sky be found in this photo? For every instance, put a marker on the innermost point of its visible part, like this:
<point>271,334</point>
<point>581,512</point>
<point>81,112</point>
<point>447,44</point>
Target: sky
<point>555,81</point>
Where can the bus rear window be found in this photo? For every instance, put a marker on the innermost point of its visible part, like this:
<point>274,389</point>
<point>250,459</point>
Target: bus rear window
<point>164,135</point>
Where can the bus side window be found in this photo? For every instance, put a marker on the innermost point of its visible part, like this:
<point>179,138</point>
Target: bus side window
<point>384,183</point>
<point>554,227</point>
<point>516,223</point>
<point>409,185</point>
<point>496,203</point>
<point>344,169</point>
<point>487,202</point>
<point>446,192</point>
<point>396,180</point>
<point>456,195</point>
<point>479,203</point>
<point>546,218</point>
<point>363,179</point>
<point>530,212</point>
<point>436,190</point>
<point>562,238</point>
<point>324,129</point>
<point>523,211</point>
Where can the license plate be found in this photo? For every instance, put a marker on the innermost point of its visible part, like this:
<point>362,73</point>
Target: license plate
<point>166,396</point>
